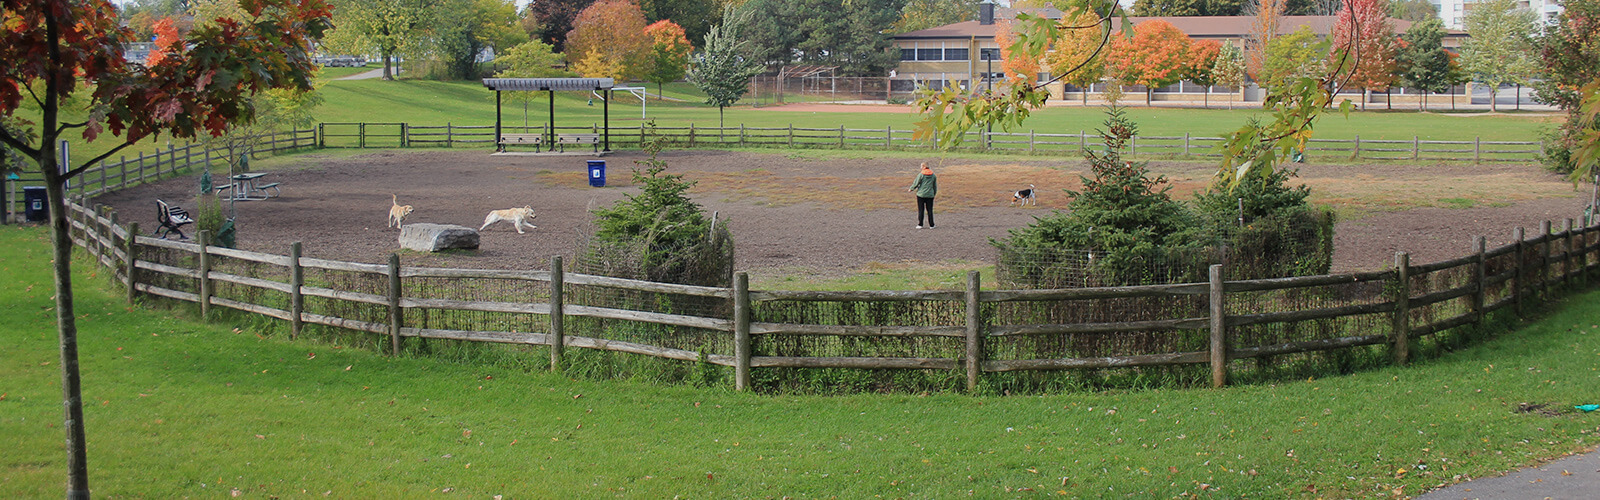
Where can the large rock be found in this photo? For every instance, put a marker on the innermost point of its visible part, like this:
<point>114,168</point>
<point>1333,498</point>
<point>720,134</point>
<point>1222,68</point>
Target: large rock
<point>424,237</point>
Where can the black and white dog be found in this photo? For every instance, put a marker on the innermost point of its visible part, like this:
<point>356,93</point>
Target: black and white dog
<point>1024,196</point>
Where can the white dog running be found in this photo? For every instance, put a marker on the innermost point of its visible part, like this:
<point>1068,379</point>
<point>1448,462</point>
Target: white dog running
<point>516,216</point>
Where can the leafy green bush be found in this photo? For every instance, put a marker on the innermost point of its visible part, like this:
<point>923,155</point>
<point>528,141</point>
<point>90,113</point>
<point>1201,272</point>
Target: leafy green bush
<point>665,234</point>
<point>1124,216</point>
<point>1125,229</point>
<point>1557,145</point>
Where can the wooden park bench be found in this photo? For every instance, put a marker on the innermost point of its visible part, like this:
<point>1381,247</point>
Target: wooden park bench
<point>592,139</point>
<point>171,218</point>
<point>521,140</point>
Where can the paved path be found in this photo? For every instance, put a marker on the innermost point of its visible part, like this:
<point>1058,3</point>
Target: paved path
<point>1575,477</point>
<point>367,75</point>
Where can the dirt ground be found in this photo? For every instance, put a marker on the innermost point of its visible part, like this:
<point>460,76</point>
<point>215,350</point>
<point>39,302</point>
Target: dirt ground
<point>820,213</point>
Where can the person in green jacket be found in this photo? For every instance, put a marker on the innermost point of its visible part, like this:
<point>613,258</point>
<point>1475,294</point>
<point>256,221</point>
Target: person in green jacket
<point>926,186</point>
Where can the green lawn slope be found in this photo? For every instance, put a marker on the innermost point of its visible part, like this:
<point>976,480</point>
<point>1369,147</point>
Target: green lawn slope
<point>179,408</point>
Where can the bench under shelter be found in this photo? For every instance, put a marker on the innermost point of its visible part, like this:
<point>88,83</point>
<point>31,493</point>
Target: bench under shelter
<point>550,140</point>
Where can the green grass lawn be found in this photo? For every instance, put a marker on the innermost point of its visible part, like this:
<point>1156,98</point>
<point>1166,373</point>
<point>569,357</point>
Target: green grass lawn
<point>426,102</point>
<point>178,408</point>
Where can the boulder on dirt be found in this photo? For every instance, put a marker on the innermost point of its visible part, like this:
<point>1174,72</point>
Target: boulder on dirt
<point>424,237</point>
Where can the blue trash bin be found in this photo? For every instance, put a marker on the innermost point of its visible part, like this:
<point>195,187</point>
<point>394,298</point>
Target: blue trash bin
<point>35,208</point>
<point>597,173</point>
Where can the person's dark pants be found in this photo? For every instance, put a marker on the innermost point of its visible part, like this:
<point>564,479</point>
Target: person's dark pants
<point>924,205</point>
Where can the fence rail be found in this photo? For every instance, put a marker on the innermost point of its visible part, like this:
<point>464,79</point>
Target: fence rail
<point>1219,324</point>
<point>128,171</point>
<point>1018,142</point>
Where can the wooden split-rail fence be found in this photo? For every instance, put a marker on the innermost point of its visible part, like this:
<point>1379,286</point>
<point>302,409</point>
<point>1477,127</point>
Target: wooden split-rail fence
<point>971,331</point>
<point>389,135</point>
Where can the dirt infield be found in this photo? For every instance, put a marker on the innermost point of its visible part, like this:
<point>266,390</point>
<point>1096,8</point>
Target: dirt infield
<point>799,212</point>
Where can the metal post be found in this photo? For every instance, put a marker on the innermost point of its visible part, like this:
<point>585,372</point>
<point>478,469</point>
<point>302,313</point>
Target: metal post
<point>1480,276</point>
<point>1402,308</point>
<point>204,238</point>
<point>131,251</point>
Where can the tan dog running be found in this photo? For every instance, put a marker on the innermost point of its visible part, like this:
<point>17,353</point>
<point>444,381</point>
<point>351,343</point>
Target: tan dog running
<point>516,216</point>
<point>397,212</point>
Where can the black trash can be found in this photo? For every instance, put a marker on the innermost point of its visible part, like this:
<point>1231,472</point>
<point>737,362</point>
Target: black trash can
<point>597,173</point>
<point>36,208</point>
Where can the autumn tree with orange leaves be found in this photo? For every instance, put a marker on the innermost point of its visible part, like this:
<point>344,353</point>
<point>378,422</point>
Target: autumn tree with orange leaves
<point>669,53</point>
<point>1156,56</point>
<point>166,31</point>
<point>1365,38</point>
<point>1202,59</point>
<point>608,41</point>
<point>68,53</point>
<point>1020,68</point>
<point>1079,53</point>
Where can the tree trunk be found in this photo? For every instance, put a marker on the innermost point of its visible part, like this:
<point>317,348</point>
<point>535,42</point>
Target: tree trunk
<point>1493,92</point>
<point>1424,105</point>
<point>387,76</point>
<point>1207,98</point>
<point>1148,94</point>
<point>67,327</point>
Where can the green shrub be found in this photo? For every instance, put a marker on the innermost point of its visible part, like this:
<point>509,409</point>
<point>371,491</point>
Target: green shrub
<point>660,234</point>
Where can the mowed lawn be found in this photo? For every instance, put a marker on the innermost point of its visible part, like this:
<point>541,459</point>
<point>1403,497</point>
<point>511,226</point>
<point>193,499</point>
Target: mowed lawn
<point>423,102</point>
<point>426,102</point>
<point>179,408</point>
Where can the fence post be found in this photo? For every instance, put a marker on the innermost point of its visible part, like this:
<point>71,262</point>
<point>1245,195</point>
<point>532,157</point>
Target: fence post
<point>1519,279</point>
<point>1355,152</point>
<point>1186,144</point>
<point>1480,278</point>
<point>1544,256</point>
<point>741,331</point>
<point>557,313</point>
<point>361,135</point>
<point>791,135</point>
<point>121,168</point>
<point>1477,149</point>
<point>841,137</point>
<point>405,134</point>
<point>741,134</point>
<point>395,314</point>
<point>205,275</point>
<point>888,137</point>
<point>111,234</point>
<point>320,139</point>
<point>449,135</point>
<point>1402,308</point>
<point>974,332</point>
<point>1416,146</point>
<point>1030,141</point>
<point>1083,138</point>
<point>691,135</point>
<point>1583,256</point>
<point>1567,262</point>
<point>1219,330</point>
<point>132,252</point>
<point>297,299</point>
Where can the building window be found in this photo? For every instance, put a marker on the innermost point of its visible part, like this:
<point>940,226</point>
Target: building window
<point>989,54</point>
<point>955,54</point>
<point>929,54</point>
<point>908,54</point>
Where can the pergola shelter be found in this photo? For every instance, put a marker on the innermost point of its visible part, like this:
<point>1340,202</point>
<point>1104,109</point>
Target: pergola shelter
<point>551,85</point>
